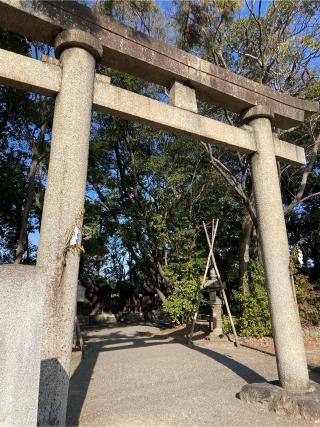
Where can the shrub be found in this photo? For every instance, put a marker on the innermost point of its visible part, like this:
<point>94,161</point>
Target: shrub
<point>254,319</point>
<point>185,278</point>
<point>308,298</point>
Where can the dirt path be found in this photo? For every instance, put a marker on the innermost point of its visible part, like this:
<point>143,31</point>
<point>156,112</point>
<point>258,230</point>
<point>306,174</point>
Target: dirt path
<point>133,376</point>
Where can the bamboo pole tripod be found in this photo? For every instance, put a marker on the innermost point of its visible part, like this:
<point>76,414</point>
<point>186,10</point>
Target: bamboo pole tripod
<point>211,260</point>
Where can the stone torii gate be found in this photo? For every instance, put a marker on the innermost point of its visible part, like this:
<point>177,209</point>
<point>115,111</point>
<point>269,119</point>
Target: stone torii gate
<point>81,38</point>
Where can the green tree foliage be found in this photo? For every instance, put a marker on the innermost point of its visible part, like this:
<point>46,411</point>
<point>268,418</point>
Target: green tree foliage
<point>185,274</point>
<point>308,298</point>
<point>254,316</point>
<point>275,43</point>
<point>307,294</point>
<point>22,146</point>
<point>156,190</point>
<point>148,191</point>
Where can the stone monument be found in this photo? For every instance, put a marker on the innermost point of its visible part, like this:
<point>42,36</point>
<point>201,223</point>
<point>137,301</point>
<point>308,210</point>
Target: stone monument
<point>215,302</point>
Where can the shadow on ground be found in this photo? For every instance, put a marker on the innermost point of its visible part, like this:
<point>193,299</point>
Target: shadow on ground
<point>80,379</point>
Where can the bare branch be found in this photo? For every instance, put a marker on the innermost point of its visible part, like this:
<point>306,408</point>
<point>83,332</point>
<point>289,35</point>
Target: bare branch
<point>304,179</point>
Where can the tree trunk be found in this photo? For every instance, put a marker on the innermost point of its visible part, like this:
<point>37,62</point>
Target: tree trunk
<point>244,252</point>
<point>96,308</point>
<point>30,194</point>
<point>161,294</point>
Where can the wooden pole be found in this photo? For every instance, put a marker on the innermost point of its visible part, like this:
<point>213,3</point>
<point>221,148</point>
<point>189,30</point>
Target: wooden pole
<point>223,291</point>
<point>194,319</point>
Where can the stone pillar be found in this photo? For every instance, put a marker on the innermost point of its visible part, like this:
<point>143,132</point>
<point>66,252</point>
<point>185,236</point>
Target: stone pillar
<point>287,334</point>
<point>21,304</point>
<point>61,223</point>
<point>216,310</point>
<point>183,96</point>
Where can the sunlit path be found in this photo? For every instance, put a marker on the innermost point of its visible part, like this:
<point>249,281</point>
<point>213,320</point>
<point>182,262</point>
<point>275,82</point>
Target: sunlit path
<point>132,377</point>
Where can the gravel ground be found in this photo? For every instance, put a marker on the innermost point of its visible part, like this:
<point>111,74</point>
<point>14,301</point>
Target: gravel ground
<point>133,376</point>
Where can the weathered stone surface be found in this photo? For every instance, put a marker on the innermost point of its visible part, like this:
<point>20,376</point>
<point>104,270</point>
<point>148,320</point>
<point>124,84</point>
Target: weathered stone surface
<point>21,306</point>
<point>183,96</point>
<point>260,392</point>
<point>29,74</point>
<point>288,153</point>
<point>45,78</point>
<point>50,60</point>
<point>257,112</point>
<point>62,217</point>
<point>301,405</point>
<point>101,78</point>
<point>290,352</point>
<point>217,322</point>
<point>132,106</point>
<point>77,38</point>
<point>133,52</point>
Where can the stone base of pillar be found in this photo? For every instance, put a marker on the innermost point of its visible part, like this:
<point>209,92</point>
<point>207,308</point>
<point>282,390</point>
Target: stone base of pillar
<point>213,336</point>
<point>277,399</point>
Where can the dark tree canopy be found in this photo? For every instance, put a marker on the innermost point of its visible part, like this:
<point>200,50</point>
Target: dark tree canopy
<point>148,192</point>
